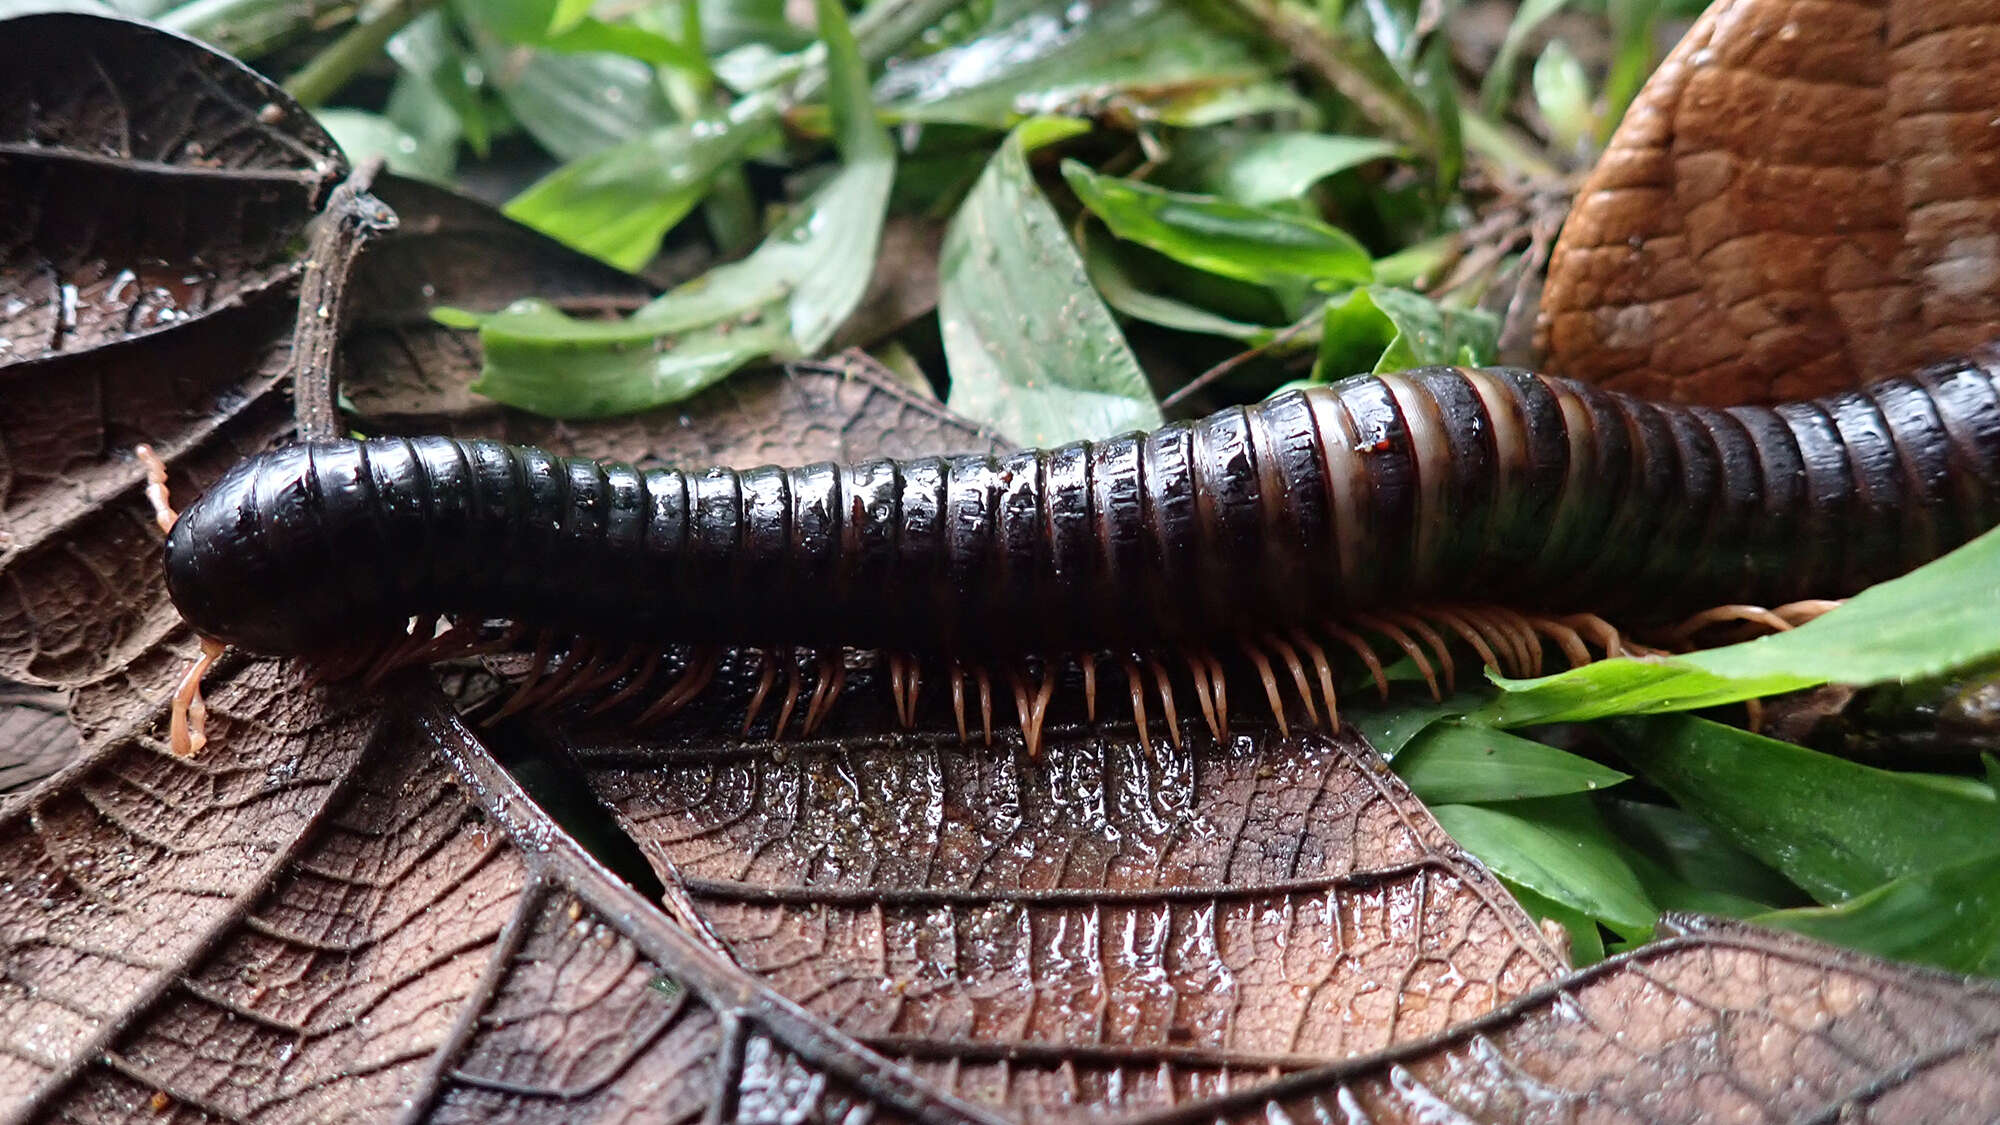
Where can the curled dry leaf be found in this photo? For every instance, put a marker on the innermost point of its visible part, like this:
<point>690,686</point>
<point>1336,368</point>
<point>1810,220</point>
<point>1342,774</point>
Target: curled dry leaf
<point>1800,200</point>
<point>149,181</point>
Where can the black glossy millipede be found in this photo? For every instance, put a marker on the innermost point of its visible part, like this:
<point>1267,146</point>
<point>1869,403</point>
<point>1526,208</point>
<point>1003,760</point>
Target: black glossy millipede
<point>1484,505</point>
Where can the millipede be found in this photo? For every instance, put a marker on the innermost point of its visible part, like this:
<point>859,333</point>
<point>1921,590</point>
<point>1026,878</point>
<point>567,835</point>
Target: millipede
<point>1494,511</point>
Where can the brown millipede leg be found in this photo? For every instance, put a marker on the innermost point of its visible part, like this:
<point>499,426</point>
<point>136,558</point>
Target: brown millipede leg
<point>1416,624</point>
<point>958,698</point>
<point>1683,634</point>
<point>638,684</point>
<point>1798,613</point>
<point>1525,638</point>
<point>1219,685</point>
<point>1365,651</point>
<point>1512,661</point>
<point>1566,639</point>
<point>1165,687</point>
<point>1451,620</point>
<point>187,729</point>
<point>1088,661</point>
<point>1204,693</point>
<point>539,667</point>
<point>1324,670</point>
<point>1138,701</point>
<point>1263,664</point>
<point>832,678</point>
<point>699,671</point>
<point>791,661</point>
<point>1032,710</point>
<point>1402,640</point>
<point>1290,657</point>
<point>898,698</point>
<point>984,679</point>
<point>156,487</point>
<point>1597,629</point>
<point>768,675</point>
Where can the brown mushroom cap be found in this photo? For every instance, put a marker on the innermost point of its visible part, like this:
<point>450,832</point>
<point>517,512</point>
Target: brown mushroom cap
<point>1805,197</point>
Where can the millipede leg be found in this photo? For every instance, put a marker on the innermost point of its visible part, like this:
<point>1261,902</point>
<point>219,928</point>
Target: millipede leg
<point>1566,639</point>
<point>639,683</point>
<point>156,487</point>
<point>791,661</point>
<point>1508,659</point>
<point>767,675</point>
<point>1439,648</point>
<point>579,664</point>
<point>1450,619</point>
<point>898,696</point>
<point>832,678</point>
<point>1402,640</point>
<point>1323,668</point>
<point>958,698</point>
<point>1271,695</point>
<point>1167,708</point>
<point>609,670</point>
<point>1088,661</point>
<point>984,679</point>
<point>1365,651</point>
<point>187,726</point>
<point>1218,686</point>
<point>1204,692</point>
<point>1290,657</point>
<point>1138,701</point>
<point>696,676</point>
<point>1530,643</point>
<point>1595,628</point>
<point>536,670</point>
<point>1031,709</point>
<point>1798,613</point>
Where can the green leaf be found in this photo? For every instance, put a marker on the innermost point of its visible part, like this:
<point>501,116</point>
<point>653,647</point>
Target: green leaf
<point>617,203</point>
<point>1121,290</point>
<point>1255,244</point>
<point>1032,349</point>
<point>1038,57</point>
<point>1696,856</point>
<point>1586,941</point>
<point>1389,728</point>
<point>1559,848</point>
<point>364,135</point>
<point>1384,328</point>
<point>576,105</point>
<point>1261,168</point>
<point>1834,827</point>
<point>1460,763</point>
<point>1562,93</point>
<point>1948,917</point>
<point>1936,619</point>
<point>1498,84</point>
<point>786,299</point>
<point>855,130</point>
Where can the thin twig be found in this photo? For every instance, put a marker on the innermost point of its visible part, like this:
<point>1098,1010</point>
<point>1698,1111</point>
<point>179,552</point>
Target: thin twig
<point>1209,376</point>
<point>351,218</point>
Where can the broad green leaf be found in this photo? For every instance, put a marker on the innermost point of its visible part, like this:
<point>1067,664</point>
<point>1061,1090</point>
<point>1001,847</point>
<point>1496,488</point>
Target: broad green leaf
<point>576,105</point>
<point>1459,763</point>
<point>1834,827</point>
<point>1559,848</point>
<point>1259,168</point>
<point>1032,349</point>
<point>430,56</point>
<point>1695,855</point>
<point>1389,728</point>
<point>1948,917</point>
<point>1122,291</point>
<point>1255,244</point>
<point>1384,328</point>
<point>617,203</point>
<point>1938,618</point>
<point>1671,892</point>
<point>1061,57</point>
<point>366,135</point>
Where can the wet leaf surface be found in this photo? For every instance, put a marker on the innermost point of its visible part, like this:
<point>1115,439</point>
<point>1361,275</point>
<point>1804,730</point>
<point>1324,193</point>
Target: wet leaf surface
<point>150,182</point>
<point>348,909</point>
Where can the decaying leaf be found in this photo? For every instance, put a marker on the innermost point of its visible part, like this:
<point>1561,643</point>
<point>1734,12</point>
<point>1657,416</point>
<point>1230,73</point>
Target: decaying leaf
<point>149,181</point>
<point>1791,206</point>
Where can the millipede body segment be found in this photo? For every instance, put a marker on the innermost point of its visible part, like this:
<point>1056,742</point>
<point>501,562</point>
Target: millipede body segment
<point>1376,494</point>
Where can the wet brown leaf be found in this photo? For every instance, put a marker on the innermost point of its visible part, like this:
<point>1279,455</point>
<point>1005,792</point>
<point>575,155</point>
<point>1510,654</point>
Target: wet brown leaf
<point>149,181</point>
<point>1109,926</point>
<point>1728,1023</point>
<point>1800,200</point>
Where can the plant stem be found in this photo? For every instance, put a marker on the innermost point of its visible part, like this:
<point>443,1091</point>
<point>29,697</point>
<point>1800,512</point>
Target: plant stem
<point>1348,67</point>
<point>359,45</point>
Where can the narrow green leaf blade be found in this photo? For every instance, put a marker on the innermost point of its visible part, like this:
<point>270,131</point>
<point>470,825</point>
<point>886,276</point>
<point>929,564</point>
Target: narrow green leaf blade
<point>1033,350</point>
<point>1262,168</point>
<point>1256,244</point>
<point>1460,763</point>
<point>1834,827</point>
<point>1938,618</point>
<point>1948,917</point>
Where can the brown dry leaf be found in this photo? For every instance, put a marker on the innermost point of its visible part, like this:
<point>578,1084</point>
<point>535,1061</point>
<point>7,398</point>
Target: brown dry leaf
<point>1802,198</point>
<point>1727,1023</point>
<point>1108,926</point>
<point>149,181</point>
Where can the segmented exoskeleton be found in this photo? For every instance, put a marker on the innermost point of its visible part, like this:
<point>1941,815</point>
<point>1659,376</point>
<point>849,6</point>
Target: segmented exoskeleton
<point>1401,508</point>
